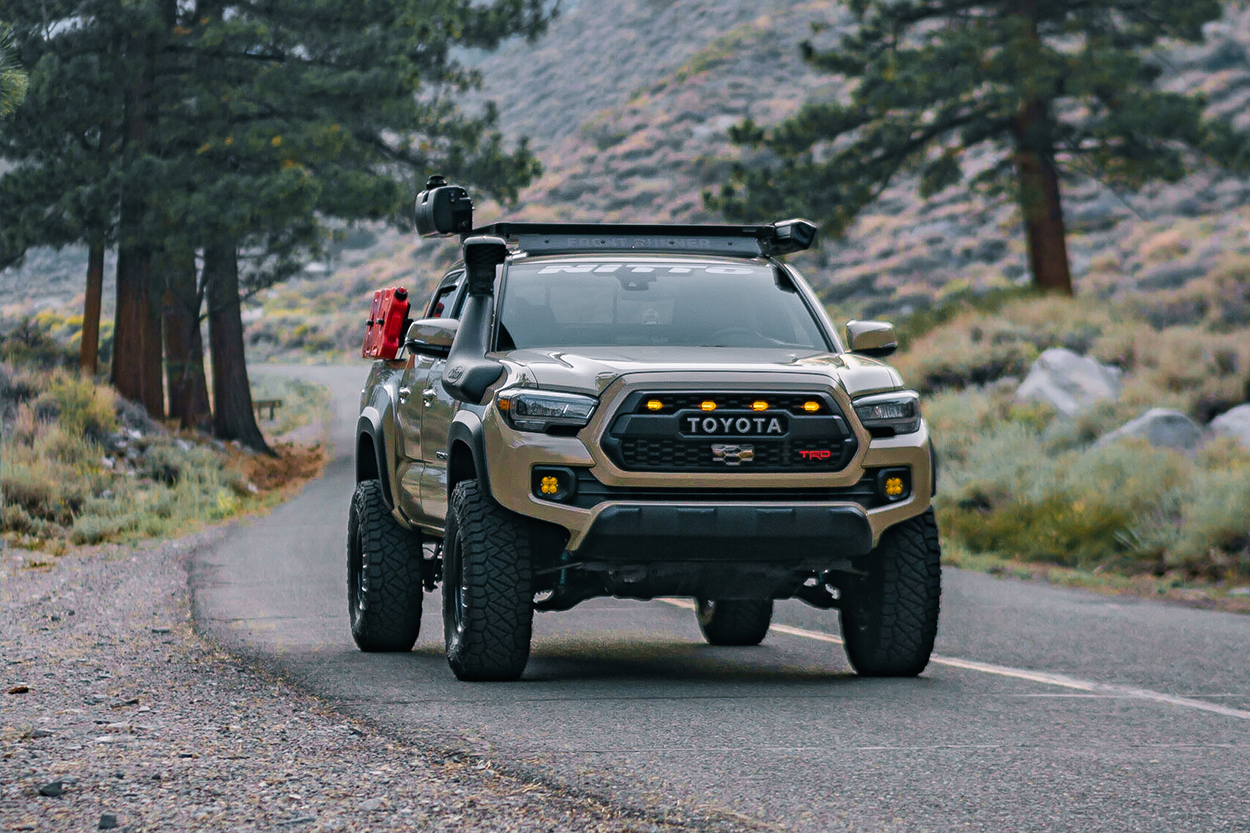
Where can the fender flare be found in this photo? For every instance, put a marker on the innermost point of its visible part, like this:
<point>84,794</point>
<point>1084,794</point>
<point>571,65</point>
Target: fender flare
<point>370,424</point>
<point>466,427</point>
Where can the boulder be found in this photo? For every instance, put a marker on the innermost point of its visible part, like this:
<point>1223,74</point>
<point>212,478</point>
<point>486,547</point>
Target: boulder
<point>1069,381</point>
<point>1234,423</point>
<point>1162,428</point>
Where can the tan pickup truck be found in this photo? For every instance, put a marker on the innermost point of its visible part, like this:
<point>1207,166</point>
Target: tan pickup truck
<point>638,411</point>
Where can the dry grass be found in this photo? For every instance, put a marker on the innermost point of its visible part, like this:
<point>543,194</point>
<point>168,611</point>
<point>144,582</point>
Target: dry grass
<point>77,470</point>
<point>1021,484</point>
<point>1202,368</point>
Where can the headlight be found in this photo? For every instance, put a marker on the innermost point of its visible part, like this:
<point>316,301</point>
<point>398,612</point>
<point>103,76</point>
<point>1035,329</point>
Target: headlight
<point>885,415</point>
<point>532,410</point>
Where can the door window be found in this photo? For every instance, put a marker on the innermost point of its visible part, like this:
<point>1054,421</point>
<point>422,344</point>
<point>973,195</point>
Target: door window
<point>447,298</point>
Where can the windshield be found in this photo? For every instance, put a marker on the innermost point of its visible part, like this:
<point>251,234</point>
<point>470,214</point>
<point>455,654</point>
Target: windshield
<point>683,303</point>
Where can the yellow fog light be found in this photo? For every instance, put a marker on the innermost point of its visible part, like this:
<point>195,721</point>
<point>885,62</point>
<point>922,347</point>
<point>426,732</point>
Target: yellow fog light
<point>759,405</point>
<point>811,407</point>
<point>894,484</point>
<point>553,483</point>
<point>654,404</point>
<point>708,405</point>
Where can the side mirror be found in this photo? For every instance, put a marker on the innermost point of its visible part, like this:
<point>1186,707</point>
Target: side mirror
<point>431,336</point>
<point>871,338</point>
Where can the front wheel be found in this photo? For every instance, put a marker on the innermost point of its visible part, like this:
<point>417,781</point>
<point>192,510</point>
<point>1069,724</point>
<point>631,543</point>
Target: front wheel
<point>384,590</point>
<point>890,614</point>
<point>734,621</point>
<point>488,594</point>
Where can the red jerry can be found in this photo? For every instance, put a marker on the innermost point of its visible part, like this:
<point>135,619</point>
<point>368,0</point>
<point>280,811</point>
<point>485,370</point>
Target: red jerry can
<point>384,329</point>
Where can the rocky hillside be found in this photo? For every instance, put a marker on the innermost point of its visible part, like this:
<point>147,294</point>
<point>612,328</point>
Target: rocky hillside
<point>628,103</point>
<point>650,153</point>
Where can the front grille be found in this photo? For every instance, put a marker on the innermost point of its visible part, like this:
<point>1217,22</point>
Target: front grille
<point>642,438</point>
<point>770,455</point>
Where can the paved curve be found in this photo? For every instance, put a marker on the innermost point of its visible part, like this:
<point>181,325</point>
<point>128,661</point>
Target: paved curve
<point>624,700</point>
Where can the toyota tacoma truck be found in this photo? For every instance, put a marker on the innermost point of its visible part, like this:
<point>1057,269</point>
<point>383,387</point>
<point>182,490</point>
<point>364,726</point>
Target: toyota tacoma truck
<point>637,411</point>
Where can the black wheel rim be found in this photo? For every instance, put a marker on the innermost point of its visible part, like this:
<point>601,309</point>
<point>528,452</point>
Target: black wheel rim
<point>456,577</point>
<point>359,582</point>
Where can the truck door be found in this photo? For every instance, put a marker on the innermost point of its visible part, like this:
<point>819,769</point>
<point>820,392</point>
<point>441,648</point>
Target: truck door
<point>410,408</point>
<point>438,409</point>
<point>408,460</point>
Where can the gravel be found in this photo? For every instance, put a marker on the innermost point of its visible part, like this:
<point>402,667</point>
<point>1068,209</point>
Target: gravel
<point>119,715</point>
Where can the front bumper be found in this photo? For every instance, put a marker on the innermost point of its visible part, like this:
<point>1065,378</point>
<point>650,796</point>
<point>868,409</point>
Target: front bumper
<point>767,526</point>
<point>642,533</point>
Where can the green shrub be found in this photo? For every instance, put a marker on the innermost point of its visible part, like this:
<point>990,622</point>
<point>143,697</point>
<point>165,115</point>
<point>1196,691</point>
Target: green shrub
<point>55,485</point>
<point>954,305</point>
<point>14,518</point>
<point>164,464</point>
<point>85,407</point>
<point>1018,480</point>
<point>96,529</point>
<point>41,492</point>
<point>1007,487</point>
<point>1198,369</point>
<point>67,447</point>
<point>31,342</point>
<point>1054,530</point>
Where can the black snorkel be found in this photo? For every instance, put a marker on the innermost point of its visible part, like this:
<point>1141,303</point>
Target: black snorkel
<point>441,211</point>
<point>468,373</point>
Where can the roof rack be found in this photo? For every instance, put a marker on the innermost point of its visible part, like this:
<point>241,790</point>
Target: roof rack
<point>736,241</point>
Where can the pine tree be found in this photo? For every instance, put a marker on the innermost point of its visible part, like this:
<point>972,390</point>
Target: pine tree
<point>13,79</point>
<point>243,129</point>
<point>1051,87</point>
<point>294,112</point>
<point>66,141</point>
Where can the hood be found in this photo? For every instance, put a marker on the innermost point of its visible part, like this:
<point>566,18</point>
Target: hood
<point>592,369</point>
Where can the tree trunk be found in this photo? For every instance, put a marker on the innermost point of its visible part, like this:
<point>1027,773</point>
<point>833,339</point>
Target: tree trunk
<point>89,349</point>
<point>137,330</point>
<point>184,347</point>
<point>233,418</point>
<point>1040,201</point>
<point>1038,181</point>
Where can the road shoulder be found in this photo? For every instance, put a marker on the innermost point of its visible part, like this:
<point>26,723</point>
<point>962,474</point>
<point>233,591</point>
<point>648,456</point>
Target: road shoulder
<point>113,699</point>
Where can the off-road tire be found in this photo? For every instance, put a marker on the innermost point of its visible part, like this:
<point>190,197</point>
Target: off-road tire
<point>488,596</point>
<point>734,622</point>
<point>890,615</point>
<point>384,590</point>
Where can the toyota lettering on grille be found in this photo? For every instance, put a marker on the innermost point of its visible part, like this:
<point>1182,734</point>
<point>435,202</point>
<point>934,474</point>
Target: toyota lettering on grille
<point>732,455</point>
<point>739,425</point>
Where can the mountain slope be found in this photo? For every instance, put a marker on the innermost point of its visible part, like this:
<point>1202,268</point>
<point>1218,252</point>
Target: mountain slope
<point>628,104</point>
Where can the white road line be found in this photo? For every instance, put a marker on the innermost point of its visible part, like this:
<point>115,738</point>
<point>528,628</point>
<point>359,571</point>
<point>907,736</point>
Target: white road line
<point>1044,677</point>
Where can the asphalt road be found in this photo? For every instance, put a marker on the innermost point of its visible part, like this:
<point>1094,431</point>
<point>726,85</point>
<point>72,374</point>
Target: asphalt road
<point>1048,709</point>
